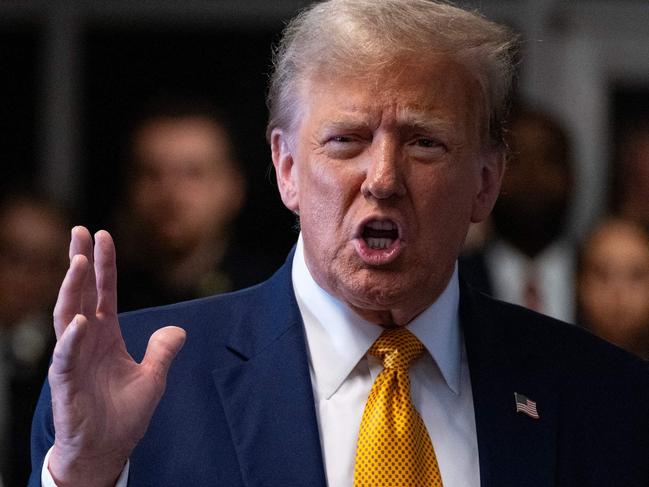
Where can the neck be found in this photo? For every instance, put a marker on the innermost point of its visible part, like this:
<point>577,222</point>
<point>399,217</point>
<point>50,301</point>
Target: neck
<point>403,309</point>
<point>389,318</point>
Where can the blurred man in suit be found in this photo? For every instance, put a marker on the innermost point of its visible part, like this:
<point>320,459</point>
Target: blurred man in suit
<point>384,127</point>
<point>529,259</point>
<point>184,190</point>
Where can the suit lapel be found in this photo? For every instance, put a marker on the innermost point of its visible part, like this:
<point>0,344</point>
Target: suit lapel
<point>266,391</point>
<point>265,388</point>
<point>514,448</point>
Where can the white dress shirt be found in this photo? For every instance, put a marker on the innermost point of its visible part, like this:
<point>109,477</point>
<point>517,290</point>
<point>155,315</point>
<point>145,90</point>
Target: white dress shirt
<point>48,481</point>
<point>554,270</point>
<point>342,374</point>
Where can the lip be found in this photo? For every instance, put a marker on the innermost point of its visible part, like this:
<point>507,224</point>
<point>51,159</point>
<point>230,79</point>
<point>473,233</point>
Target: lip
<point>378,257</point>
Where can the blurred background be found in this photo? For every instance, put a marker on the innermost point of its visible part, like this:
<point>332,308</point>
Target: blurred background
<point>78,75</point>
<point>74,72</point>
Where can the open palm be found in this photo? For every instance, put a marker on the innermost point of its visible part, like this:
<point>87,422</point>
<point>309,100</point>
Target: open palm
<point>102,400</point>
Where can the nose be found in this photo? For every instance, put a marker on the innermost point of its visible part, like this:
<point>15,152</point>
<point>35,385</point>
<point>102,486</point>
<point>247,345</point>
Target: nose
<point>384,178</point>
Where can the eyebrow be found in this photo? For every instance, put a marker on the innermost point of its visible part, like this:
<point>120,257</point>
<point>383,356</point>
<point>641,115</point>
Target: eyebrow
<point>414,122</point>
<point>419,122</point>
<point>346,124</point>
<point>409,119</point>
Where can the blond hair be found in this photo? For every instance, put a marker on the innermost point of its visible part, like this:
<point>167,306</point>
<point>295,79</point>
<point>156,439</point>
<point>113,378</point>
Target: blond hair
<point>349,36</point>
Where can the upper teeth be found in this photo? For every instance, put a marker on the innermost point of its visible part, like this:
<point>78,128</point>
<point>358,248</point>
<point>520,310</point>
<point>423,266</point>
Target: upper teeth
<point>382,225</point>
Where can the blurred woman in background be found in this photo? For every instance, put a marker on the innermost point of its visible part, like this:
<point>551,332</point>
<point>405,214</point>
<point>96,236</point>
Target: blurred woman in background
<point>613,284</point>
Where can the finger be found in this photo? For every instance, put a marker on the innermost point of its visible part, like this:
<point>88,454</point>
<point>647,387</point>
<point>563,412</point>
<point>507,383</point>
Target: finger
<point>70,297</point>
<point>163,347</point>
<point>68,347</point>
<point>106,273</point>
<point>81,244</point>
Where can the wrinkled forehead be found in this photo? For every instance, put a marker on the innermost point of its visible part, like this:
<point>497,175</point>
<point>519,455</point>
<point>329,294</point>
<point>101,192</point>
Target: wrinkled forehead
<point>416,88</point>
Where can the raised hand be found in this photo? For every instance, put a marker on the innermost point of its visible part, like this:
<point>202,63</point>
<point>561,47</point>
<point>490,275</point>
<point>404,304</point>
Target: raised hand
<point>102,400</point>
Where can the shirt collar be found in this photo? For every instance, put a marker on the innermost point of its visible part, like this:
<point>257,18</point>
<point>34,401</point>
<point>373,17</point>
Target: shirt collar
<point>338,338</point>
<point>502,251</point>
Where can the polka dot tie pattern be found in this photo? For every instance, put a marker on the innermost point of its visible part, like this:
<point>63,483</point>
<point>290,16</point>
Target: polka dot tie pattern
<point>394,448</point>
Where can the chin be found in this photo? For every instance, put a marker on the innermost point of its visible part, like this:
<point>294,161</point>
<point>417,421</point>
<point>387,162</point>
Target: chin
<point>377,290</point>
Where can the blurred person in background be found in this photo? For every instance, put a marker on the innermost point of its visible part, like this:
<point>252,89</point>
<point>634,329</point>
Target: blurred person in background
<point>185,188</point>
<point>32,233</point>
<point>613,284</point>
<point>631,198</point>
<point>529,260</point>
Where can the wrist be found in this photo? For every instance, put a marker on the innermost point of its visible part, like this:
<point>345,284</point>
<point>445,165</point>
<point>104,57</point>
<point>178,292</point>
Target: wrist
<point>73,469</point>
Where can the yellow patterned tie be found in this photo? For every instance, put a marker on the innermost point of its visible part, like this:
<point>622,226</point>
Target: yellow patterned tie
<point>394,448</point>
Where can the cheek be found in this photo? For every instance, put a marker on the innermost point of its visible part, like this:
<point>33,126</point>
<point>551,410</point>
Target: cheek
<point>143,198</point>
<point>148,194</point>
<point>636,295</point>
<point>445,204</point>
<point>595,297</point>
<point>328,191</point>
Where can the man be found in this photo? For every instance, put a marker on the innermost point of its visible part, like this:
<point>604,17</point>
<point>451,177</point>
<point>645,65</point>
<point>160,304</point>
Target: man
<point>185,189</point>
<point>384,130</point>
<point>530,261</point>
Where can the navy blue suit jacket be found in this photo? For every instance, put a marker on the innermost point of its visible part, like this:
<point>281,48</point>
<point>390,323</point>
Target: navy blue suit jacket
<point>239,409</point>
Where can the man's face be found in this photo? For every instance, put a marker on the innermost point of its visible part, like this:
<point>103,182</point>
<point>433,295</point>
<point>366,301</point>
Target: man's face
<point>32,260</point>
<point>386,172</point>
<point>538,183</point>
<point>185,190</point>
<point>614,283</point>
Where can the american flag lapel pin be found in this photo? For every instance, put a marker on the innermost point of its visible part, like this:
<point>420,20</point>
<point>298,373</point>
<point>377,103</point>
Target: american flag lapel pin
<point>526,406</point>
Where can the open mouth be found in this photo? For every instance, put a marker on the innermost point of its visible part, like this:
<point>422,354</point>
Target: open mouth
<point>379,242</point>
<point>380,234</point>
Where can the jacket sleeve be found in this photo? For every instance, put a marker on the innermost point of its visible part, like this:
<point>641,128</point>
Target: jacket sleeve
<point>42,435</point>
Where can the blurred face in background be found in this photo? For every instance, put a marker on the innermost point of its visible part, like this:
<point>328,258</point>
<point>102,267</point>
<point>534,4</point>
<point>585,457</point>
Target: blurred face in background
<point>32,260</point>
<point>186,189</point>
<point>613,286</point>
<point>536,189</point>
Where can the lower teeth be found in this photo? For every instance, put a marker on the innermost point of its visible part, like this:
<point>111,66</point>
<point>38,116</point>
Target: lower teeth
<point>379,243</point>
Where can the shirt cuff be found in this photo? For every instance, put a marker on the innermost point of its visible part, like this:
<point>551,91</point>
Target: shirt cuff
<point>48,481</point>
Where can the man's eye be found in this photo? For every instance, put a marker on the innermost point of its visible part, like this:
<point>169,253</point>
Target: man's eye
<point>427,142</point>
<point>341,138</point>
<point>344,146</point>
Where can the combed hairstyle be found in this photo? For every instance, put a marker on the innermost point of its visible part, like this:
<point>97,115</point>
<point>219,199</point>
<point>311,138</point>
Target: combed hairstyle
<point>359,36</point>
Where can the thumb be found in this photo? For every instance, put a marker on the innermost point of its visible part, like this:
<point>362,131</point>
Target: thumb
<point>163,347</point>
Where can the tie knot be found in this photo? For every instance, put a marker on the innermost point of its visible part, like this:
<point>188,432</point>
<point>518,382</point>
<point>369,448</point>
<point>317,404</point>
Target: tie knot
<point>397,348</point>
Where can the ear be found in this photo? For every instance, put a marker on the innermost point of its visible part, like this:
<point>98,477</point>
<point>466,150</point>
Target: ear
<point>492,169</point>
<point>285,169</point>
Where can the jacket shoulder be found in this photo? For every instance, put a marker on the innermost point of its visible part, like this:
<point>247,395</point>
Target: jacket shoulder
<point>569,349</point>
<point>211,320</point>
